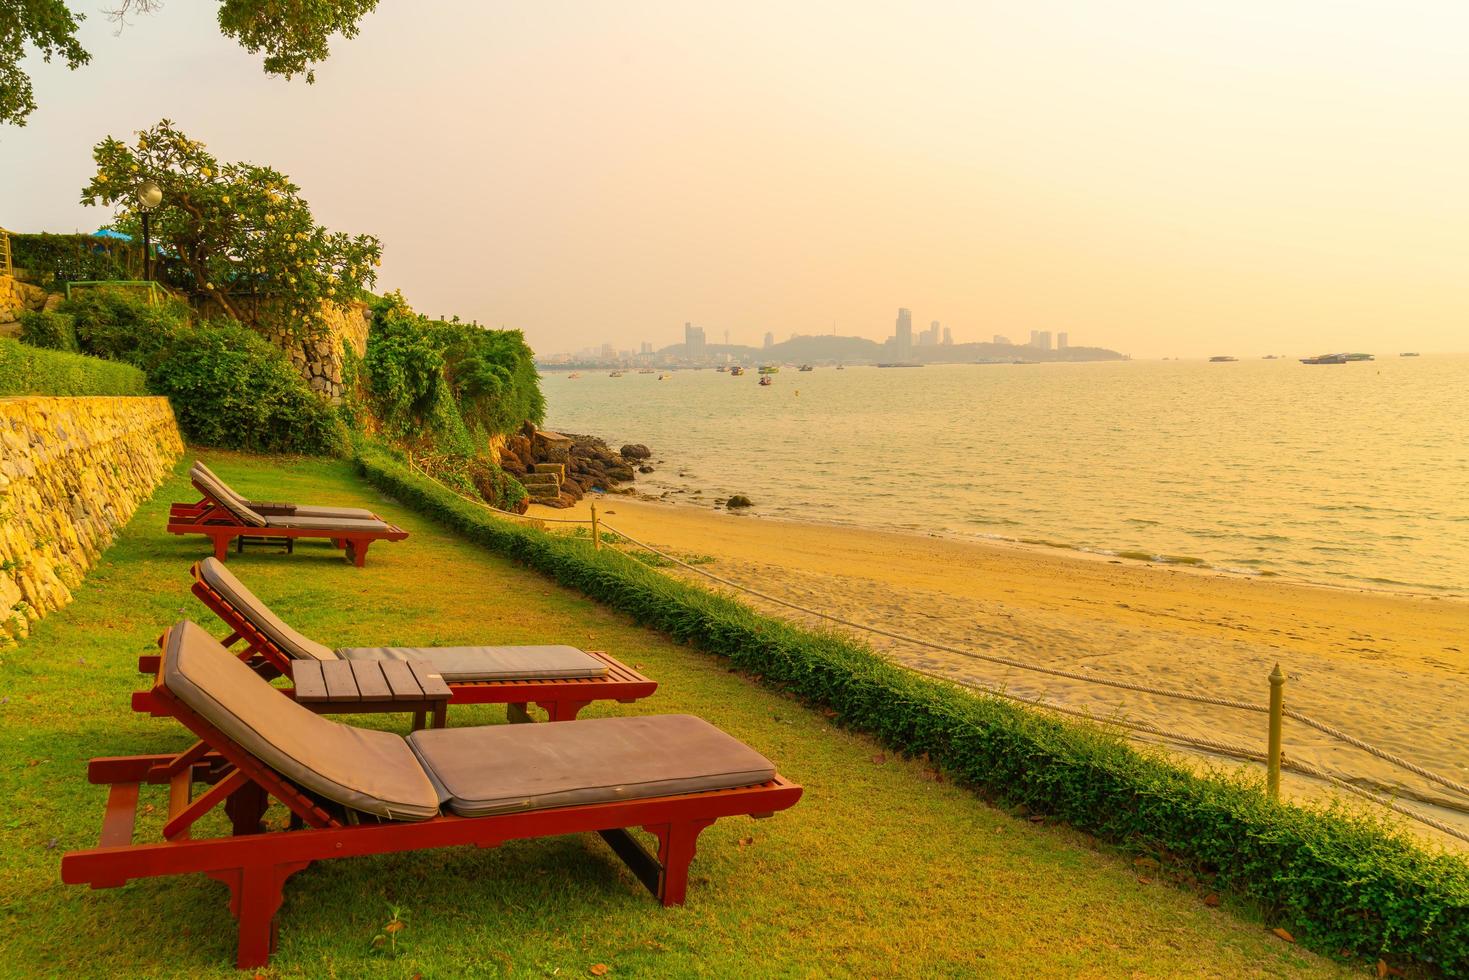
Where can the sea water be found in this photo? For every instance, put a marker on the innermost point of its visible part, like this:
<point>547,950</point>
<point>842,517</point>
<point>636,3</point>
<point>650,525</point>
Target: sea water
<point>1354,474</point>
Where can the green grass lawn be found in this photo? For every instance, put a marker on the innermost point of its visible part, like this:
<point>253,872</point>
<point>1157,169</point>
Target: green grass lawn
<point>882,869</point>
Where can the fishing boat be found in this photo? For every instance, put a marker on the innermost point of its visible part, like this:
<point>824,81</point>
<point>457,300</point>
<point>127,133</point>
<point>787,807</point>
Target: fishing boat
<point>1411,353</point>
<point>615,374</point>
<point>573,376</point>
<point>1325,359</point>
<point>646,371</point>
<point>769,369</point>
<point>1222,359</point>
<point>736,371</point>
<point>841,367</point>
<point>901,364</point>
<point>805,367</point>
<point>1359,357</point>
<point>766,380</point>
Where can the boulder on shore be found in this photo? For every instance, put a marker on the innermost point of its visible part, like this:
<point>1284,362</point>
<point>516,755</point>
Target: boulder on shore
<point>636,450</point>
<point>739,501</point>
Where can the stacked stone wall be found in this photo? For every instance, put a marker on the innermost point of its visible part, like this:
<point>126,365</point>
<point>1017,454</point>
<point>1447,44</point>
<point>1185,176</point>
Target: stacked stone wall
<point>72,472</point>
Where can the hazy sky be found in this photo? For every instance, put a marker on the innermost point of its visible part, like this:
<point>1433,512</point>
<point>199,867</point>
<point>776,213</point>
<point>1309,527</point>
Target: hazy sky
<point>1166,178</point>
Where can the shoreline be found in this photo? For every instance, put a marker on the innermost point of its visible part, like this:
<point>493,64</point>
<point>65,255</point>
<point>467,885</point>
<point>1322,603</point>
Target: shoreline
<point>1388,667</point>
<point>1177,563</point>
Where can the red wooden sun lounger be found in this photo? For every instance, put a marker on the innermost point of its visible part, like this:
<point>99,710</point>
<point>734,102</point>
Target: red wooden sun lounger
<point>273,649</point>
<point>224,516</point>
<point>355,791</point>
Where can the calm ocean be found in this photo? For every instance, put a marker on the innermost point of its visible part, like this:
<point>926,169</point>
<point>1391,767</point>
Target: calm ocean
<point>1354,474</point>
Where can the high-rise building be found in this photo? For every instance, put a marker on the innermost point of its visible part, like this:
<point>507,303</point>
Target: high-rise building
<point>609,353</point>
<point>948,338</point>
<point>904,335</point>
<point>769,339</point>
<point>1063,340</point>
<point>693,340</point>
<point>645,348</point>
<point>1001,339</point>
<point>1040,339</point>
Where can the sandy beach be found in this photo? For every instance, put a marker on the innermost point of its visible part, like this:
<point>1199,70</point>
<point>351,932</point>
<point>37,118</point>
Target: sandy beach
<point>1392,669</point>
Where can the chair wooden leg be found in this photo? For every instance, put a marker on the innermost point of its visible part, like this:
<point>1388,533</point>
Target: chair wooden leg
<point>677,843</point>
<point>517,714</point>
<point>245,808</point>
<point>562,710</point>
<point>357,551</point>
<point>221,547</point>
<point>255,895</point>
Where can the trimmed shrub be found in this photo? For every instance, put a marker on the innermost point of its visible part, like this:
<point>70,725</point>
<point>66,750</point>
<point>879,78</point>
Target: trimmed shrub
<point>1343,879</point>
<point>26,370</point>
<point>54,331</point>
<point>231,387</point>
<point>72,258</point>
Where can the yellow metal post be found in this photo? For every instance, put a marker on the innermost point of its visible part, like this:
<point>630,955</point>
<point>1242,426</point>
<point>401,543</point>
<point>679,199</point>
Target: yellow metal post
<point>1277,710</point>
<point>596,532</point>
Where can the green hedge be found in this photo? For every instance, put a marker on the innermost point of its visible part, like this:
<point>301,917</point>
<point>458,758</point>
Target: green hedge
<point>1342,880</point>
<point>26,370</point>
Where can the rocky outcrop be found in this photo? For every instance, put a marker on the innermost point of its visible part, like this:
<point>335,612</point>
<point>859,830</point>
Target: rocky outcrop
<point>635,451</point>
<point>585,463</point>
<point>17,297</point>
<point>72,471</point>
<point>319,355</point>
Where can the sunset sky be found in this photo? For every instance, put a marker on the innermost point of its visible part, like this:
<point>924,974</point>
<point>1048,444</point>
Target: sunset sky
<point>1164,178</point>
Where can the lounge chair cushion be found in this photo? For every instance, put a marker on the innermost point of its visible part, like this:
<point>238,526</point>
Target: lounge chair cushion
<point>212,486</point>
<point>324,523</point>
<point>511,768</point>
<point>458,664</point>
<point>349,513</point>
<point>371,771</point>
<point>222,580</point>
<point>262,507</point>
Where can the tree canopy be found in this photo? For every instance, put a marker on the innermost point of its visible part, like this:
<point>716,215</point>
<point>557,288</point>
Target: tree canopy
<point>228,230</point>
<point>292,34</point>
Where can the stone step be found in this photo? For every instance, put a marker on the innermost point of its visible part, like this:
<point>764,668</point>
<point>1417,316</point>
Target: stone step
<point>543,491</point>
<point>539,479</point>
<point>558,468</point>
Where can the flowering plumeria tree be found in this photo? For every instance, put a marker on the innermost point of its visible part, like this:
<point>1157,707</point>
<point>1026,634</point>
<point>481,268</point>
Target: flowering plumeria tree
<point>230,230</point>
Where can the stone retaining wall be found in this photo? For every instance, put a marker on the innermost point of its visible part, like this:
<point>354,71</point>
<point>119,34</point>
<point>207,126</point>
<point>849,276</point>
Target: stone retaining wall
<point>72,472</point>
<point>15,298</point>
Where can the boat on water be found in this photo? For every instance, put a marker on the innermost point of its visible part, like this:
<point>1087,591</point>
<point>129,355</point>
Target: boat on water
<point>769,369</point>
<point>843,367</point>
<point>736,371</point>
<point>901,364</point>
<point>662,377</point>
<point>1222,359</point>
<point>766,380</point>
<point>1411,353</point>
<point>1359,357</point>
<point>1325,359</point>
<point>805,367</point>
<point>721,369</point>
<point>646,371</point>
<point>573,376</point>
<point>615,374</point>
<point>1271,357</point>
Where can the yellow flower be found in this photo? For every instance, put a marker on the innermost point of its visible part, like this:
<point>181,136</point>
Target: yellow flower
<point>204,172</point>
<point>101,178</point>
<point>226,200</point>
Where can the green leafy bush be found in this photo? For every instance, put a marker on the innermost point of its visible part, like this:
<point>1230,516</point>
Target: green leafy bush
<point>122,325</point>
<point>231,387</point>
<point>53,331</point>
<point>228,385</point>
<point>26,370</point>
<point>1342,879</point>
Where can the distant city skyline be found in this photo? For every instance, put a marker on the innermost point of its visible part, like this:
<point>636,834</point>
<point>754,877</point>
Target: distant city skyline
<point>1169,178</point>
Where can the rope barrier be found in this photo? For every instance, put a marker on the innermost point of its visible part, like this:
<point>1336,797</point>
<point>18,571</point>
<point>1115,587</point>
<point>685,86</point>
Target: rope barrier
<point>1208,744</point>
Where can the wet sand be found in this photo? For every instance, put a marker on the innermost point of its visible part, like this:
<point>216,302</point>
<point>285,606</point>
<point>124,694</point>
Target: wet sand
<point>1392,669</point>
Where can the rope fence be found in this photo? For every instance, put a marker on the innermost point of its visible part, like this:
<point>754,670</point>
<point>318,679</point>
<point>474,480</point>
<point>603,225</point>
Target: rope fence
<point>1210,745</point>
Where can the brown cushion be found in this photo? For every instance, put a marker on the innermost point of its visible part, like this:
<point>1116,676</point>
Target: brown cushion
<point>490,663</point>
<point>350,513</point>
<point>212,486</point>
<point>367,770</point>
<point>291,643</point>
<point>324,523</point>
<point>355,513</point>
<point>509,768</point>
